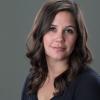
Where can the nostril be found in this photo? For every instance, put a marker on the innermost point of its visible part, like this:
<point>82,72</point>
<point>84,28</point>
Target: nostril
<point>59,39</point>
<point>59,36</point>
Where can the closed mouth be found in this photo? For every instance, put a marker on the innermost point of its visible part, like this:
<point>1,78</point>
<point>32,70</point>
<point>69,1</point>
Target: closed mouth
<point>59,48</point>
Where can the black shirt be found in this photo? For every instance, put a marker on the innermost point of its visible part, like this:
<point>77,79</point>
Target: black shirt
<point>85,87</point>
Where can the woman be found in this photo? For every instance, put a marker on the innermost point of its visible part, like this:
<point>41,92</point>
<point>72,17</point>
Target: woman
<point>59,55</point>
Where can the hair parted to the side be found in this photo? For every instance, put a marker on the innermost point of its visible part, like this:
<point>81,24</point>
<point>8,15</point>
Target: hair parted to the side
<point>80,56</point>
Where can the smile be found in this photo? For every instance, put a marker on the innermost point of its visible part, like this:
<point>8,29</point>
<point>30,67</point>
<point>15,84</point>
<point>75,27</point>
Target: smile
<point>58,48</point>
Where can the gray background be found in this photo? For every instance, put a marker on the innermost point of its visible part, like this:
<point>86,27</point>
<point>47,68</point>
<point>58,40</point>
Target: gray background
<point>16,18</point>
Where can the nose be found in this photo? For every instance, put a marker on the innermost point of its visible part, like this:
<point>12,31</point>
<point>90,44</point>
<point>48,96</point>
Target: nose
<point>59,37</point>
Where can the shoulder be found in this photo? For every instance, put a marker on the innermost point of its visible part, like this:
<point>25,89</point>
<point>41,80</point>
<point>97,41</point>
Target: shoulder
<point>88,85</point>
<point>24,95</point>
<point>88,75</point>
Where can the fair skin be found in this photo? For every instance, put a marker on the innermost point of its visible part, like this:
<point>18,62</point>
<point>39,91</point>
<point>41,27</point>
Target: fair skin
<point>59,43</point>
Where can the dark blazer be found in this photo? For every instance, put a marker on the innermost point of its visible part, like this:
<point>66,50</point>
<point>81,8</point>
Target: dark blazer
<point>85,87</point>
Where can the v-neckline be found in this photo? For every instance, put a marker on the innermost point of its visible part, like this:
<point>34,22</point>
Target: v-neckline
<point>53,98</point>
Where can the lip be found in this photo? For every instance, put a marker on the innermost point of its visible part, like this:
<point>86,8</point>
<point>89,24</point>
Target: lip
<point>59,48</point>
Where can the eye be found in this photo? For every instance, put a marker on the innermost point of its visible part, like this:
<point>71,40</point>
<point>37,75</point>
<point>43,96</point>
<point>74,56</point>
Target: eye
<point>69,31</point>
<point>52,29</point>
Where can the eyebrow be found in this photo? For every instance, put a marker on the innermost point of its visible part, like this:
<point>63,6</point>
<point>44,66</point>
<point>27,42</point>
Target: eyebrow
<point>72,26</point>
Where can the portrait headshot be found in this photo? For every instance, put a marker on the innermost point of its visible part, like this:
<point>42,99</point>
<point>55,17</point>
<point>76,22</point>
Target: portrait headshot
<point>59,55</point>
<point>49,50</point>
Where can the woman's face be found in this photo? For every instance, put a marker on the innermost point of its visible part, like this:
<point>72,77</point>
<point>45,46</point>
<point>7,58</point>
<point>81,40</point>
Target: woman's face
<point>60,39</point>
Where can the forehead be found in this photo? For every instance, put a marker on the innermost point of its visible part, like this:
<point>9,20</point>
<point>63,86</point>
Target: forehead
<point>64,18</point>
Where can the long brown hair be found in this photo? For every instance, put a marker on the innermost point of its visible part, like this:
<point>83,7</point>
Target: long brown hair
<point>79,58</point>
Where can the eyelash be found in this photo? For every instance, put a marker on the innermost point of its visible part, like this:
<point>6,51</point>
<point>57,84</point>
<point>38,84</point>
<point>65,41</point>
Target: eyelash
<point>70,31</point>
<point>52,29</point>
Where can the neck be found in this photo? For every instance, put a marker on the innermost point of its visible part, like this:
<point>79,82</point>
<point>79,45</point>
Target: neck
<point>55,68</point>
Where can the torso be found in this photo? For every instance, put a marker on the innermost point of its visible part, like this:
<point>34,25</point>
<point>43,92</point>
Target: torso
<point>46,91</point>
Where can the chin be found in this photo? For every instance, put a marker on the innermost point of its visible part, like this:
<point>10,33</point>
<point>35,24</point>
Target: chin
<point>58,57</point>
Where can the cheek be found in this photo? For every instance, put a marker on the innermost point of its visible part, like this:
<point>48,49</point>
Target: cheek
<point>70,42</point>
<point>46,41</point>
